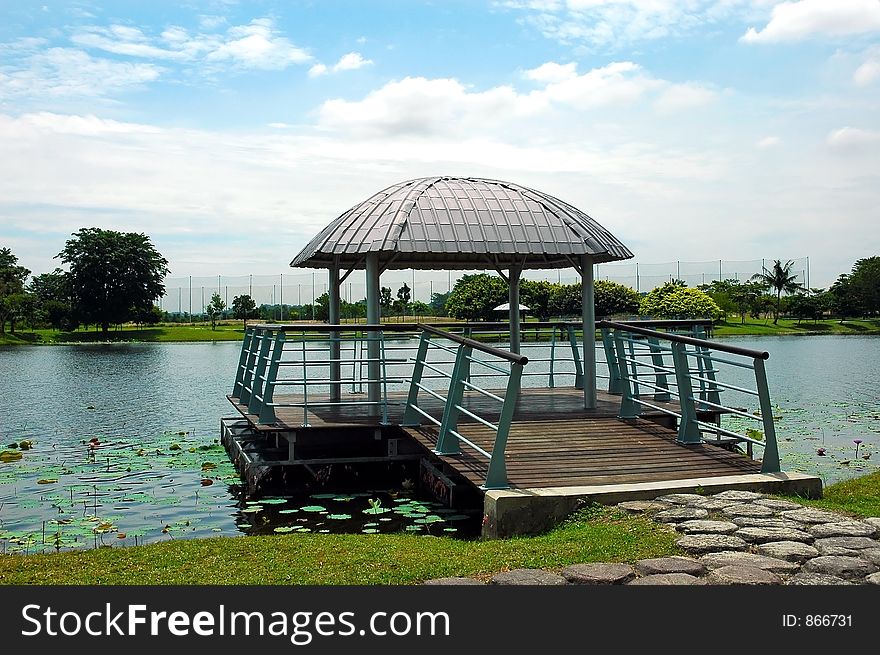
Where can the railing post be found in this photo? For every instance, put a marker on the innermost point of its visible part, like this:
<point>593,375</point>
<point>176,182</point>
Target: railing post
<point>551,381</point>
<point>256,399</point>
<point>688,430</point>
<point>248,380</point>
<point>267,410</point>
<point>576,356</point>
<point>628,408</point>
<point>496,476</point>
<point>712,394</point>
<point>242,362</point>
<point>410,416</point>
<point>447,442</point>
<point>614,385</point>
<point>770,462</point>
<point>660,376</point>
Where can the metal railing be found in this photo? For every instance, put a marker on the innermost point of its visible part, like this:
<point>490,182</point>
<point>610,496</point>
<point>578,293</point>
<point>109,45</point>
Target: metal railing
<point>670,367</point>
<point>449,436</point>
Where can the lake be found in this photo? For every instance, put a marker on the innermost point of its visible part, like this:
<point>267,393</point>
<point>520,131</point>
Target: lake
<point>124,442</point>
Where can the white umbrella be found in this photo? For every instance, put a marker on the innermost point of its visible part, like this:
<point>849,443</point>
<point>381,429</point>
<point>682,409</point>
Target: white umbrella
<point>506,308</point>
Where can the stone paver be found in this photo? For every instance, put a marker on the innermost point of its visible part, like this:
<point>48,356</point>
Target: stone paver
<point>777,504</point>
<point>598,573</point>
<point>773,522</point>
<point>741,496</point>
<point>874,520</point>
<point>677,514</point>
<point>851,543</point>
<point>844,529</point>
<point>749,509</point>
<point>750,560</point>
<point>528,577</point>
<point>679,499</point>
<point>849,568</point>
<point>807,578</point>
<point>742,575</point>
<point>790,551</point>
<point>454,581</point>
<point>811,515</point>
<point>710,543</point>
<point>707,527</point>
<point>874,578</point>
<point>636,506</point>
<point>762,535</point>
<point>871,555</point>
<point>712,504</point>
<point>674,579</point>
<point>668,565</point>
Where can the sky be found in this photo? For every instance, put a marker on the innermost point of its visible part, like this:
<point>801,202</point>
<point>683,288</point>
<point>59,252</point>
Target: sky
<point>232,132</point>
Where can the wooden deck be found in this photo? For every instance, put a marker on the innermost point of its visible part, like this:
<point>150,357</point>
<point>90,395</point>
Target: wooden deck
<point>553,441</point>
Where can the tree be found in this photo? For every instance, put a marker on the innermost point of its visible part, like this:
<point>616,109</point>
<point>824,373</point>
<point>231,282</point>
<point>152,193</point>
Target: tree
<point>113,275</point>
<point>244,307</point>
<point>805,306</point>
<point>781,280</point>
<point>403,297</point>
<point>865,281</point>
<point>475,296</point>
<point>536,295</point>
<point>844,299</point>
<point>672,301</point>
<point>612,298</point>
<point>215,309</point>
<point>12,279</point>
<point>52,291</point>
<point>438,303</point>
<point>385,299</point>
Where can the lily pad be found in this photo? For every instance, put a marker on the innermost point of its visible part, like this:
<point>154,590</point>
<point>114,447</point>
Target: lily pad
<point>273,501</point>
<point>322,496</point>
<point>285,528</point>
<point>47,481</point>
<point>377,510</point>
<point>370,531</point>
<point>245,526</point>
<point>288,511</point>
<point>313,508</point>
<point>339,517</point>
<point>252,510</point>
<point>8,456</point>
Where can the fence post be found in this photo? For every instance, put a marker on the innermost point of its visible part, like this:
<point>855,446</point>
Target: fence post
<point>628,408</point>
<point>447,442</point>
<point>410,416</point>
<point>242,362</point>
<point>247,381</point>
<point>660,376</point>
<point>267,410</point>
<point>496,476</point>
<point>256,399</point>
<point>576,356</point>
<point>770,462</point>
<point>688,430</point>
<point>614,385</point>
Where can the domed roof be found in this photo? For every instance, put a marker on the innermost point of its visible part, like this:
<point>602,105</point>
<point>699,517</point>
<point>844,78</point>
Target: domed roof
<point>461,223</point>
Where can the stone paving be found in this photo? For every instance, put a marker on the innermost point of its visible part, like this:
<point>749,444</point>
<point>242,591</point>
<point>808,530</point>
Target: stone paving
<point>732,538</point>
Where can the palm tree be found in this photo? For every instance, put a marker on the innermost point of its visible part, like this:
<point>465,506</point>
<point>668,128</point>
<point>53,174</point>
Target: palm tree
<point>780,279</point>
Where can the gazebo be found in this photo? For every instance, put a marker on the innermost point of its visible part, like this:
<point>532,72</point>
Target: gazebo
<point>463,223</point>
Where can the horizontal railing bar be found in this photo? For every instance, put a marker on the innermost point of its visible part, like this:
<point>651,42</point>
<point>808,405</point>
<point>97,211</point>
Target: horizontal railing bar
<point>328,403</point>
<point>472,444</point>
<point>642,383</point>
<point>659,409</point>
<point>489,365</point>
<point>489,425</point>
<point>430,391</point>
<point>711,427</point>
<point>721,360</point>
<point>425,414</point>
<point>691,341</point>
<point>442,373</point>
<point>488,394</point>
<point>724,384</point>
<point>522,360</point>
<point>728,409</point>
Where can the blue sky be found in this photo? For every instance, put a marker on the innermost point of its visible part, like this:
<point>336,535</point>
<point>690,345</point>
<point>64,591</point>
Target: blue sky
<point>232,132</point>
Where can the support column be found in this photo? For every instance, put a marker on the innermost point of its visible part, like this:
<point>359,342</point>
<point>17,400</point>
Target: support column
<point>335,349</point>
<point>373,318</point>
<point>589,324</point>
<point>515,272</point>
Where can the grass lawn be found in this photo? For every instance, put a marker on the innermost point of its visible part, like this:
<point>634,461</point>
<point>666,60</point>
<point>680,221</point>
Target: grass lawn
<point>860,496</point>
<point>598,534</point>
<point>733,327</point>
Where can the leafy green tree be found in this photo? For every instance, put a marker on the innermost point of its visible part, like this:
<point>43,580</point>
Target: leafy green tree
<point>438,304</point>
<point>612,298</point>
<point>147,315</point>
<point>12,279</point>
<point>113,275</point>
<point>403,297</point>
<point>419,308</point>
<point>865,281</point>
<point>385,299</point>
<point>537,295</point>
<point>565,300</point>
<point>672,301</point>
<point>845,300</point>
<point>781,280</point>
<point>52,291</point>
<point>805,306</point>
<point>215,309</point>
<point>475,296</point>
<point>244,307</point>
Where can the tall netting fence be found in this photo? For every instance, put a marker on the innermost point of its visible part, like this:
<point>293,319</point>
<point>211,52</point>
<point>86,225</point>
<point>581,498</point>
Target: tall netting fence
<point>192,294</point>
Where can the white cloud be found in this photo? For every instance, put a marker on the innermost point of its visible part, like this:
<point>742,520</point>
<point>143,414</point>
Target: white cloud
<point>66,72</point>
<point>348,62</point>
<point>685,96</point>
<point>768,142</point>
<point>258,45</point>
<point>853,139</point>
<point>792,21</point>
<point>551,72</point>
<point>869,70</point>
<point>280,126</point>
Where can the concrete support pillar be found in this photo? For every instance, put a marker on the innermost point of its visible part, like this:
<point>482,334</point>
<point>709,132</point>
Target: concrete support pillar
<point>589,324</point>
<point>515,272</point>
<point>373,318</point>
<point>335,347</point>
